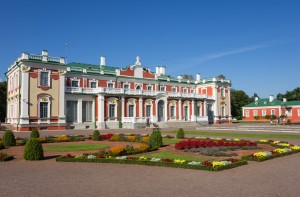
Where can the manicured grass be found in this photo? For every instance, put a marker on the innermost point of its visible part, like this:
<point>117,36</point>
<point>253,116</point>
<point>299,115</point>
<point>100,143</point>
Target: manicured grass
<point>75,147</point>
<point>284,136</point>
<point>171,141</point>
<point>166,154</point>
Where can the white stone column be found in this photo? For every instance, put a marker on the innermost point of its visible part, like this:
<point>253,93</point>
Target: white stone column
<point>79,111</point>
<point>154,117</point>
<point>193,111</point>
<point>140,108</point>
<point>229,104</point>
<point>61,116</point>
<point>101,123</point>
<point>166,110</point>
<point>205,108</point>
<point>122,108</point>
<point>24,116</point>
<point>179,109</point>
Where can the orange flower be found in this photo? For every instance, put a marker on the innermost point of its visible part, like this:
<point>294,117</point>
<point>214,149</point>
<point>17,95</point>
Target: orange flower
<point>131,138</point>
<point>117,150</point>
<point>145,139</point>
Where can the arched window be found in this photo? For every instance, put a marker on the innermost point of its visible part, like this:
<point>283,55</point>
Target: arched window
<point>44,103</point>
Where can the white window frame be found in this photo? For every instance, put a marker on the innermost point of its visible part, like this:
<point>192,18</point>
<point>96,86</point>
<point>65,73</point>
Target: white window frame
<point>126,84</point>
<point>247,113</point>
<point>77,80</point>
<point>273,110</point>
<point>264,112</point>
<point>40,75</point>
<point>45,99</point>
<point>131,102</point>
<point>175,109</point>
<point>110,83</point>
<point>112,101</point>
<point>289,112</point>
<point>223,111</point>
<point>255,113</point>
<point>149,87</point>
<point>192,90</point>
<point>223,93</point>
<point>148,102</point>
<point>162,88</point>
<point>185,90</point>
<point>174,88</point>
<point>298,112</point>
<point>94,81</point>
<point>91,111</point>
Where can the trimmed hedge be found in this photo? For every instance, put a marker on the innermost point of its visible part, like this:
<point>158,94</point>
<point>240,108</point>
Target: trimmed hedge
<point>151,163</point>
<point>34,133</point>
<point>156,139</point>
<point>260,159</point>
<point>180,134</point>
<point>9,139</point>
<point>96,136</point>
<point>5,157</point>
<point>33,150</point>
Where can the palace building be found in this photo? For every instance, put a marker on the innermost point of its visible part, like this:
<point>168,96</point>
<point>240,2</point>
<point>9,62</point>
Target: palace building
<point>46,93</point>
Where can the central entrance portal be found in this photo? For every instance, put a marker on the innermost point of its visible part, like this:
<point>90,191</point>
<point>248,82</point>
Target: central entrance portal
<point>160,110</point>
<point>186,112</point>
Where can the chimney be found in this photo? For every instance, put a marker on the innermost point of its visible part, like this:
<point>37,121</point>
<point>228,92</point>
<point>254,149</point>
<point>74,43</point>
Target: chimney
<point>102,61</point>
<point>271,98</point>
<point>284,100</point>
<point>163,70</point>
<point>198,77</point>
<point>256,98</point>
<point>157,70</point>
<point>44,53</point>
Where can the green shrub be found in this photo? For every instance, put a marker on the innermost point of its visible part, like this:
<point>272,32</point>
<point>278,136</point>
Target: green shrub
<point>9,139</point>
<point>96,135</point>
<point>156,139</point>
<point>1,145</point>
<point>180,134</point>
<point>34,133</point>
<point>288,122</point>
<point>33,150</point>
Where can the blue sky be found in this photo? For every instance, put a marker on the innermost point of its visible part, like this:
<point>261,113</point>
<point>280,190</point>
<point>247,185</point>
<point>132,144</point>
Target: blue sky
<point>256,44</point>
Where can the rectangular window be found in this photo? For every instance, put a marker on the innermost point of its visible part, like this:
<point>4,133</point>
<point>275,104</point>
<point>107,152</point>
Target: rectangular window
<point>298,112</point>
<point>174,89</point>
<point>247,113</point>
<point>162,88</point>
<point>192,91</point>
<point>71,111</point>
<point>223,111</point>
<point>87,111</point>
<point>273,112</point>
<point>197,110</point>
<point>75,83</point>
<point>43,109</point>
<point>222,92</point>
<point>112,108</point>
<point>288,112</point>
<point>148,110</point>
<point>110,85</point>
<point>255,113</point>
<point>149,88</point>
<point>264,113</point>
<point>126,86</point>
<point>44,78</point>
<point>185,90</point>
<point>131,110</point>
<point>172,111</point>
<point>93,84</point>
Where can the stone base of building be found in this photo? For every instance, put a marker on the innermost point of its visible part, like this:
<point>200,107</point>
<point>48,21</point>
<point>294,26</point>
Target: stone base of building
<point>39,127</point>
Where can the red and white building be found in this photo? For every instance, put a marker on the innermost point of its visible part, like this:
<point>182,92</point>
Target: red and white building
<point>46,93</point>
<point>270,106</point>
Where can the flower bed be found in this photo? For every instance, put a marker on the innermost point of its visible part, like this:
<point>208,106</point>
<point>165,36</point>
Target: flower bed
<point>144,138</point>
<point>142,160</point>
<point>53,139</point>
<point>188,144</point>
<point>5,157</point>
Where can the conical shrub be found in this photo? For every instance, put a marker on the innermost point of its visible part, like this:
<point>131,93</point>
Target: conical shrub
<point>9,139</point>
<point>180,134</point>
<point>33,150</point>
<point>156,139</point>
<point>96,136</point>
<point>34,133</point>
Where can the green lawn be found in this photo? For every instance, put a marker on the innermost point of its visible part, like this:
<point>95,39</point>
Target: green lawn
<point>75,147</point>
<point>166,154</point>
<point>254,135</point>
<point>171,141</point>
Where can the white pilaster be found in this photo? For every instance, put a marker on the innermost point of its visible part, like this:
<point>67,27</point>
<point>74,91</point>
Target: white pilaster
<point>61,116</point>
<point>216,107</point>
<point>141,107</point>
<point>166,110</point>
<point>101,123</point>
<point>205,108</point>
<point>193,118</point>
<point>179,109</point>
<point>123,107</point>
<point>24,117</point>
<point>229,104</point>
<point>79,111</point>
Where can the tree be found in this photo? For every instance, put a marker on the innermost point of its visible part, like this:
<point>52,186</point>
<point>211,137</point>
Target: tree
<point>238,99</point>
<point>187,77</point>
<point>221,76</point>
<point>3,92</point>
<point>293,95</point>
<point>252,99</point>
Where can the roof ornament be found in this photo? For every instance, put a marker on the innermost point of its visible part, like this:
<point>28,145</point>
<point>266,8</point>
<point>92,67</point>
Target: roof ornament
<point>137,62</point>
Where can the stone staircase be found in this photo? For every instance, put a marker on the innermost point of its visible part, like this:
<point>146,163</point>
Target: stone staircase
<point>181,124</point>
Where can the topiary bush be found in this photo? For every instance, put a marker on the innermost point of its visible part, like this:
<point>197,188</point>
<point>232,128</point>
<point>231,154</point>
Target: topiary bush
<point>9,139</point>
<point>96,136</point>
<point>33,150</point>
<point>156,139</point>
<point>180,134</point>
<point>34,133</point>
<point>289,122</point>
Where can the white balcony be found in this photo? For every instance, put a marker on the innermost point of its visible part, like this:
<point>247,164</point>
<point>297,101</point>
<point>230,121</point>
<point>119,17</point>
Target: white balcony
<point>131,92</point>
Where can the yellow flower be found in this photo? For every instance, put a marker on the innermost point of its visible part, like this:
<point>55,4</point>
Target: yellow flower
<point>276,142</point>
<point>179,161</point>
<point>280,150</point>
<point>217,163</point>
<point>263,141</point>
<point>260,154</point>
<point>142,158</point>
<point>295,147</point>
<point>218,139</point>
<point>236,140</point>
<point>284,144</point>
